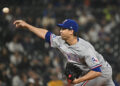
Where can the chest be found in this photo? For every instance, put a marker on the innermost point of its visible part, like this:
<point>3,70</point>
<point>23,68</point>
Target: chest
<point>71,53</point>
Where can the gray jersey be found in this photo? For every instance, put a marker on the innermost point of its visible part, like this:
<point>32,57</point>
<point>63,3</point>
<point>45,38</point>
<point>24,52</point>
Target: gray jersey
<point>82,53</point>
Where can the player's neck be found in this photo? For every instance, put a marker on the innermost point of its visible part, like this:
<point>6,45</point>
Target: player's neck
<point>72,40</point>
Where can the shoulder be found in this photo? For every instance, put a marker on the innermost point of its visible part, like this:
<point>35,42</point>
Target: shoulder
<point>85,44</point>
<point>82,44</point>
<point>55,37</point>
<point>84,47</point>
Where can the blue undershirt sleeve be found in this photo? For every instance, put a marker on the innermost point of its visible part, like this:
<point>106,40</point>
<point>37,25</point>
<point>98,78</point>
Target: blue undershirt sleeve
<point>47,37</point>
<point>97,69</point>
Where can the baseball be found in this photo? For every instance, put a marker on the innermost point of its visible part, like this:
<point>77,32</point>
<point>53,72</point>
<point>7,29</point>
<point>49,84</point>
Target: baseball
<point>5,10</point>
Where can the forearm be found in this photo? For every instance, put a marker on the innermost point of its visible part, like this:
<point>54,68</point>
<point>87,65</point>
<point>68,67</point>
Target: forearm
<point>40,32</point>
<point>90,75</point>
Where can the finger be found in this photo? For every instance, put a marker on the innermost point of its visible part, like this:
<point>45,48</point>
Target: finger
<point>17,21</point>
<point>17,25</point>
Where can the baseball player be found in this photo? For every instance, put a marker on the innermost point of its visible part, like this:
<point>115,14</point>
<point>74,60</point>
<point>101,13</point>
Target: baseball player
<point>78,51</point>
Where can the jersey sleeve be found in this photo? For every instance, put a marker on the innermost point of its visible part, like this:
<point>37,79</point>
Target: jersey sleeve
<point>52,39</point>
<point>92,61</point>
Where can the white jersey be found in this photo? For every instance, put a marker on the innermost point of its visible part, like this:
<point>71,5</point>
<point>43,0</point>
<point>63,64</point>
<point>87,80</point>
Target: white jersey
<point>82,53</point>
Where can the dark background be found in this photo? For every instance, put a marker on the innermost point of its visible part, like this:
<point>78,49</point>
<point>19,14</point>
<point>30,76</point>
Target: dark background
<point>26,60</point>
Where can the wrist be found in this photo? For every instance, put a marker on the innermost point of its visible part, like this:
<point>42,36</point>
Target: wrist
<point>28,26</point>
<point>78,80</point>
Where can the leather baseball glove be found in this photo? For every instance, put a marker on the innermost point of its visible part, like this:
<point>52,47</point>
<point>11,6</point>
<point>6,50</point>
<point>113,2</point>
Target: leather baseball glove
<point>72,71</point>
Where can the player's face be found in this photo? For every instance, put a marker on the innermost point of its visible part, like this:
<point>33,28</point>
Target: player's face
<point>65,33</point>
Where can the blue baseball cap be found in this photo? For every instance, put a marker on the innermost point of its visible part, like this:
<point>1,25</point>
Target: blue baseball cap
<point>69,24</point>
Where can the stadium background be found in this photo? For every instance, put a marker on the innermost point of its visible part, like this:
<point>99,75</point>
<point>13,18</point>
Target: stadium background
<point>26,60</point>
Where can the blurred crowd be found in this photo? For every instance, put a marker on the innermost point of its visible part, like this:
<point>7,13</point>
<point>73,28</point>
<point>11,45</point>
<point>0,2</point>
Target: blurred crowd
<point>27,60</point>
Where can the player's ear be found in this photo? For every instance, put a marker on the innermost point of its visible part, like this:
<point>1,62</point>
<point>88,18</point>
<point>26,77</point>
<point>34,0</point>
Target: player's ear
<point>71,32</point>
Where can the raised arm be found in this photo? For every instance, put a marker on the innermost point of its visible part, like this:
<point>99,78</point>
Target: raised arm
<point>40,32</point>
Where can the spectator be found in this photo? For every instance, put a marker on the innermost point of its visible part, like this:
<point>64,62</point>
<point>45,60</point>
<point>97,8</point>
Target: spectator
<point>15,45</point>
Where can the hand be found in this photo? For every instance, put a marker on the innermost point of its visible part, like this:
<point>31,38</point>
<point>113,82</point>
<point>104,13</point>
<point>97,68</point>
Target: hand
<point>20,23</point>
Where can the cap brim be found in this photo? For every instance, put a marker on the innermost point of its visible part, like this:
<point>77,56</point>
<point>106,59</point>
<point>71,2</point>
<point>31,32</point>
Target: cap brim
<point>60,25</point>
